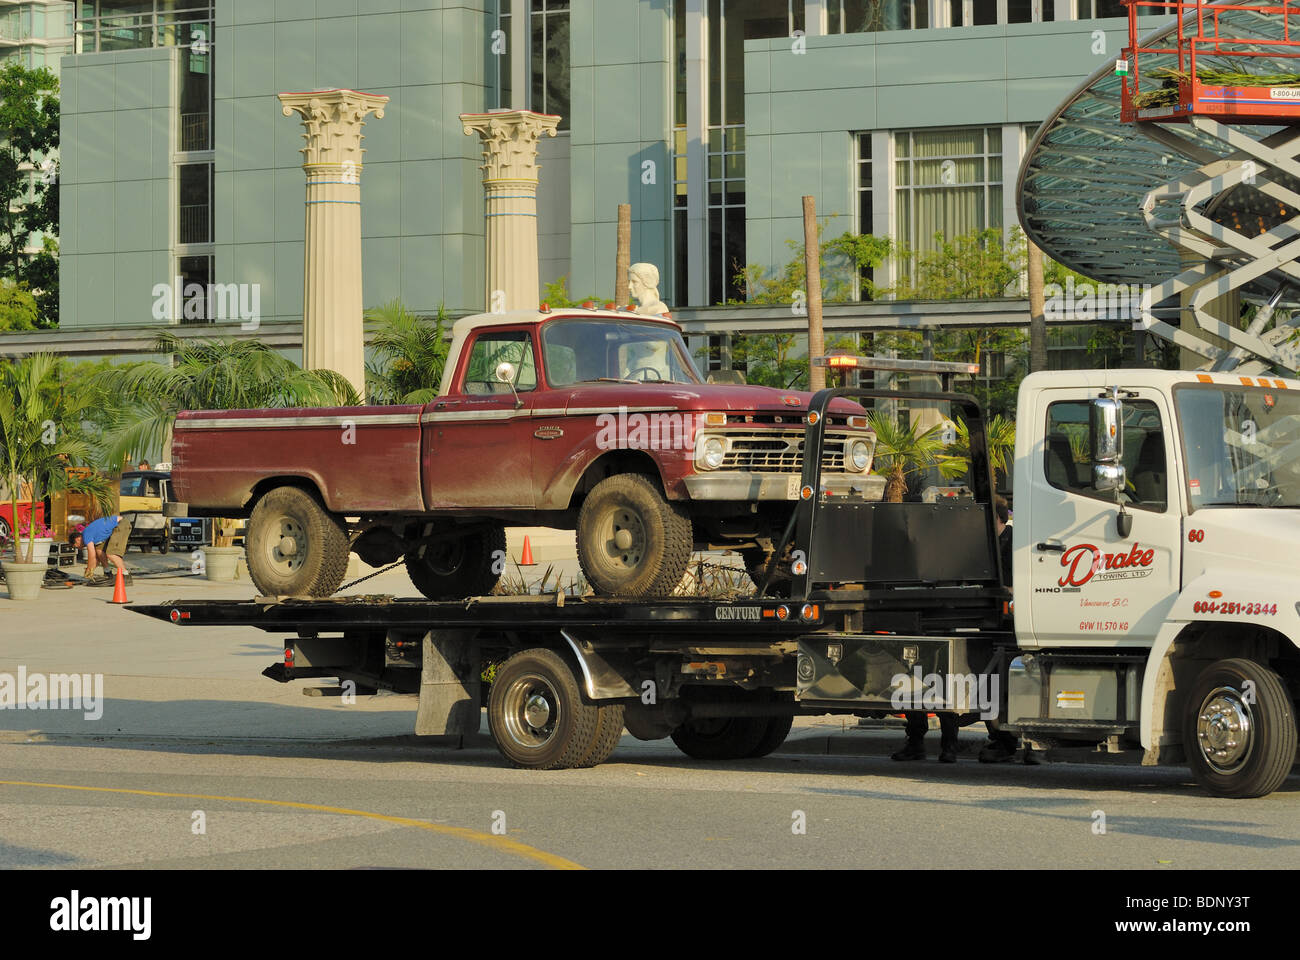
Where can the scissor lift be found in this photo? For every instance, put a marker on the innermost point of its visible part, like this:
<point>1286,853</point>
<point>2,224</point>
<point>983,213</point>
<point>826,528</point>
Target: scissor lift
<point>1236,216</point>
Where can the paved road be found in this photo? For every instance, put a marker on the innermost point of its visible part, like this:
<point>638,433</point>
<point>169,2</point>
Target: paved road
<point>284,780</point>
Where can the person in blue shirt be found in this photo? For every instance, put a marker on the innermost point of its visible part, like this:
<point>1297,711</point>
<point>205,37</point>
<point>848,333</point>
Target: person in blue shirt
<point>94,537</point>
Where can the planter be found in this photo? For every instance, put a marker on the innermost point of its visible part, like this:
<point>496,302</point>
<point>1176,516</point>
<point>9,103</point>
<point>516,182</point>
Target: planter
<point>40,548</point>
<point>220,563</point>
<point>23,579</point>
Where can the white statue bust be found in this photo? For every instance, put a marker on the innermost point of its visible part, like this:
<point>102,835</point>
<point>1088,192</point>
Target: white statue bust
<point>643,285</point>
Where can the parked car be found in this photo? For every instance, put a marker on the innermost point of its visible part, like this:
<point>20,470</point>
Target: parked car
<point>143,493</point>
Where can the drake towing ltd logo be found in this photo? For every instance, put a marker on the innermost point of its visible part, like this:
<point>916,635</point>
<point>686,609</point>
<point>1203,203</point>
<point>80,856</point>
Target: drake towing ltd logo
<point>1084,562</point>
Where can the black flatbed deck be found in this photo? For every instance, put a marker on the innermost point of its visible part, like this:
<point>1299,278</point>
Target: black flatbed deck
<point>333,614</point>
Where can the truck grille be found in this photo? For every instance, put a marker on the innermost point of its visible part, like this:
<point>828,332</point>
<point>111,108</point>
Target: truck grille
<point>778,451</point>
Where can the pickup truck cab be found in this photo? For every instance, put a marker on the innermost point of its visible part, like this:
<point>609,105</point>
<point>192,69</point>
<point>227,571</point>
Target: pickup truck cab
<point>592,420</point>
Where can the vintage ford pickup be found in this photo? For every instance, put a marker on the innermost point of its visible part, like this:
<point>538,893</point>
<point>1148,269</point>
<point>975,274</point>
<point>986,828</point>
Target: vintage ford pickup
<point>594,420</point>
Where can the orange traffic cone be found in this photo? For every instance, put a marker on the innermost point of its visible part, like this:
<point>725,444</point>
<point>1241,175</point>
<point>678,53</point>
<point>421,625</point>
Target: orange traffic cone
<point>119,589</point>
<point>527,559</point>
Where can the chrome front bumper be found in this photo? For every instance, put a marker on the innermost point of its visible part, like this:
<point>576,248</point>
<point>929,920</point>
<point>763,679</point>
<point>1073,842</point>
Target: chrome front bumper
<point>723,485</point>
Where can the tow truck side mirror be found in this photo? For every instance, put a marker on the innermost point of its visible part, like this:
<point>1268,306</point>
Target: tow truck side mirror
<point>1106,442</point>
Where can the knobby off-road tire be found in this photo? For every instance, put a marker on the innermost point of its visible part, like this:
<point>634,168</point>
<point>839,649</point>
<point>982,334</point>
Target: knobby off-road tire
<point>294,546</point>
<point>631,541</point>
<point>536,714</point>
<point>1239,729</point>
<point>467,566</point>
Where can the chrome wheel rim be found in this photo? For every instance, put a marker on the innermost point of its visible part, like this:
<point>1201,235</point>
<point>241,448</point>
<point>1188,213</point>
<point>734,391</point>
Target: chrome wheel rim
<point>1225,730</point>
<point>531,711</point>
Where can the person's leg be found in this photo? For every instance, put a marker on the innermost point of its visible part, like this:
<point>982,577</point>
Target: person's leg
<point>1001,746</point>
<point>914,748</point>
<point>120,564</point>
<point>947,738</point>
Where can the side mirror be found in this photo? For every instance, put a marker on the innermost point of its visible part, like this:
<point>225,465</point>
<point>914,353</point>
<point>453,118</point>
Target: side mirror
<point>1107,440</point>
<point>1106,443</point>
<point>506,373</point>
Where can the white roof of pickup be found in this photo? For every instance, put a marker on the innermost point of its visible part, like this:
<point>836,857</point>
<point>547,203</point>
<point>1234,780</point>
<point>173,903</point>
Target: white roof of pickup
<point>460,330</point>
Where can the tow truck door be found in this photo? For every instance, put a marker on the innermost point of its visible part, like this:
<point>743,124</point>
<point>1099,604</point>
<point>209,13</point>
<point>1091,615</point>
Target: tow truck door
<point>1087,583</point>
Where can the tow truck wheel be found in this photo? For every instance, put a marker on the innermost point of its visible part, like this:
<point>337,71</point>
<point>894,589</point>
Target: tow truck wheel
<point>631,541</point>
<point>1239,729</point>
<point>536,714</point>
<point>294,546</point>
<point>453,569</point>
<point>774,734</point>
<point>724,738</point>
<point>609,730</point>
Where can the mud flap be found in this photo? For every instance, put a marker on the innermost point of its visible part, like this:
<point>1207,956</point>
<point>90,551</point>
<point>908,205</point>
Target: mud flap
<point>449,684</point>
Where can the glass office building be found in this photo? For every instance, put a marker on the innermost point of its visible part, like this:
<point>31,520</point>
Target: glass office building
<point>711,118</point>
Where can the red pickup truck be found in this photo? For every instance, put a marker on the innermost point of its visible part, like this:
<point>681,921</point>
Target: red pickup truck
<point>590,420</point>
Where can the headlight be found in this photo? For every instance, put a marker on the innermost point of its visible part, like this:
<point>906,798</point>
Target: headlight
<point>860,455</point>
<point>712,453</point>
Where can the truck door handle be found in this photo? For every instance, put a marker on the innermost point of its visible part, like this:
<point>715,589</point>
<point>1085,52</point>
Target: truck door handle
<point>443,404</point>
<point>1053,546</point>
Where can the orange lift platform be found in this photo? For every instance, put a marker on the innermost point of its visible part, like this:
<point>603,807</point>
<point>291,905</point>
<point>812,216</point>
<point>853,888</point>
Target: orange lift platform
<point>1189,79</point>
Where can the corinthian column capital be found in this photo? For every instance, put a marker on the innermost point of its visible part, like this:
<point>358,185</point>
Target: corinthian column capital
<point>509,139</point>
<point>332,122</point>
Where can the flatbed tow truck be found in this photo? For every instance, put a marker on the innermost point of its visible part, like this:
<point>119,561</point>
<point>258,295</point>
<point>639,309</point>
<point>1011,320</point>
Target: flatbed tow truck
<point>1153,614</point>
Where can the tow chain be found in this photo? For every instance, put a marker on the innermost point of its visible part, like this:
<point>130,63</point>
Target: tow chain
<point>391,566</point>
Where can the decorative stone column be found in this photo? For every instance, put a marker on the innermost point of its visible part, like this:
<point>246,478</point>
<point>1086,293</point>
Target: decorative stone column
<point>332,328</point>
<point>510,188</point>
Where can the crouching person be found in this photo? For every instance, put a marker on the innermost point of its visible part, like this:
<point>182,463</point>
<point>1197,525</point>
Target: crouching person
<point>96,537</point>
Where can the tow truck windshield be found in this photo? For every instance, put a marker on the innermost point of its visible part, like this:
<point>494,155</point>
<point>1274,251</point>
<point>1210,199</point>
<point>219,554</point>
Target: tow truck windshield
<point>1242,445</point>
<point>596,351</point>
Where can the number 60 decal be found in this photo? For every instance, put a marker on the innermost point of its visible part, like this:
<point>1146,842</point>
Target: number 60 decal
<point>1195,536</point>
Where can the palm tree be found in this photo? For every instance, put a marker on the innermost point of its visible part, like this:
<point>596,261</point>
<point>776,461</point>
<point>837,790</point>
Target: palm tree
<point>409,351</point>
<point>208,374</point>
<point>42,432</point>
<point>999,437</point>
<point>902,452</point>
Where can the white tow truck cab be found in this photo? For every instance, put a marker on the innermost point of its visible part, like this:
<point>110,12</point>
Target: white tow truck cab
<point>1154,569</point>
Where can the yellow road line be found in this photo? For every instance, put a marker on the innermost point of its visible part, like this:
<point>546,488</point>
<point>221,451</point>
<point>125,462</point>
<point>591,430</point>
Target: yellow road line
<point>501,844</point>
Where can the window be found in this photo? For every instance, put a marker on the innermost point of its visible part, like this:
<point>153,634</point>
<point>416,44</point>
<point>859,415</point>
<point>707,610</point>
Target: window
<point>1240,444</point>
<point>871,16</point>
<point>726,202</point>
<point>946,182</point>
<point>865,210</point>
<point>1067,463</point>
<point>195,203</point>
<point>500,50</point>
<point>491,350</point>
<point>550,58</point>
<point>1102,9</point>
<point>196,279</point>
<point>583,351</point>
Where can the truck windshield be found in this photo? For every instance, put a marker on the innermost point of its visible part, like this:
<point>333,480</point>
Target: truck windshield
<point>1241,444</point>
<point>589,351</point>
